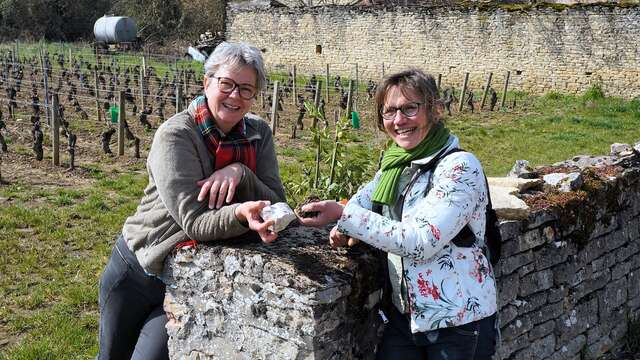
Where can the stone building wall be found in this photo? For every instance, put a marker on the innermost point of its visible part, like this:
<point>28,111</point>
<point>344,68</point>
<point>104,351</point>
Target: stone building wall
<point>568,283</point>
<point>545,49</point>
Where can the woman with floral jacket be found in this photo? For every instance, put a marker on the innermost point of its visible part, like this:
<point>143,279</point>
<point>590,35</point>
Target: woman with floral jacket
<point>443,296</point>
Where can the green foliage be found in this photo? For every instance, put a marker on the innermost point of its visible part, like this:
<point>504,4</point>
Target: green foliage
<point>344,166</point>
<point>593,93</point>
<point>53,20</point>
<point>155,19</point>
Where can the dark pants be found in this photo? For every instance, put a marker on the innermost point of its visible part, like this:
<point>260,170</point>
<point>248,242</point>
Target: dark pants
<point>132,320</point>
<point>476,340</point>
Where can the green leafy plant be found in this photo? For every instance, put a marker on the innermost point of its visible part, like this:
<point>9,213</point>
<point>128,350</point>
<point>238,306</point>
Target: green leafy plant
<point>339,168</point>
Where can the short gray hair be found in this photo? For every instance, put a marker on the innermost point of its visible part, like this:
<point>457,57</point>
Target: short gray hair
<point>236,54</point>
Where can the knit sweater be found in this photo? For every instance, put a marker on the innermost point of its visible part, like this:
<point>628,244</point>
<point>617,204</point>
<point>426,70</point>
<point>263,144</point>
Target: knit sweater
<point>169,212</point>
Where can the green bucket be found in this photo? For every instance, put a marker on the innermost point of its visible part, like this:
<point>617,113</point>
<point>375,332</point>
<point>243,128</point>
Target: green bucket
<point>114,111</point>
<point>355,120</point>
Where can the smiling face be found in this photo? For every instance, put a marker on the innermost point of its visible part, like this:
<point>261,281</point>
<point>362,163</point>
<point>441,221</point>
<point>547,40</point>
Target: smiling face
<point>228,109</point>
<point>406,131</point>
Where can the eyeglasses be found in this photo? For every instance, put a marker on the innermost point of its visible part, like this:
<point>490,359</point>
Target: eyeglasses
<point>408,110</point>
<point>226,86</point>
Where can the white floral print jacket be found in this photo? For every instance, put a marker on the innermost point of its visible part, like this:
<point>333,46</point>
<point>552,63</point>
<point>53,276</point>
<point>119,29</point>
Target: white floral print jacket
<point>447,285</point>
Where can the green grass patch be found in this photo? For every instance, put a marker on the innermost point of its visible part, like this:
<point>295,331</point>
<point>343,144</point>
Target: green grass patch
<point>55,244</point>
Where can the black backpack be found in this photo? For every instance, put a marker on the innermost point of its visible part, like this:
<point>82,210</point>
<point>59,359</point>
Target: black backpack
<point>466,238</point>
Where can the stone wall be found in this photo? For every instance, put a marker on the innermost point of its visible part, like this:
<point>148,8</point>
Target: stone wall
<point>294,299</point>
<point>568,282</point>
<point>544,48</point>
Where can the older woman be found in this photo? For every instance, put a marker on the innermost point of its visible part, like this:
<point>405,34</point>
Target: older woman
<point>442,298</point>
<point>212,168</point>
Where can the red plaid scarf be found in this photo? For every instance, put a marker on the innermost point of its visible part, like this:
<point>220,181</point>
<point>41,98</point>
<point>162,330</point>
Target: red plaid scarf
<point>234,147</point>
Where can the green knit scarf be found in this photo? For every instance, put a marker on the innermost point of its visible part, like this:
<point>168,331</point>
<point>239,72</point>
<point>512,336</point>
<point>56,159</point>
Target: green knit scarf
<point>395,159</point>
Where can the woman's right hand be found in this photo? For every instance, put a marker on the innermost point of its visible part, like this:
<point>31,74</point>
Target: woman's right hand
<point>220,187</point>
<point>328,211</point>
<point>249,212</point>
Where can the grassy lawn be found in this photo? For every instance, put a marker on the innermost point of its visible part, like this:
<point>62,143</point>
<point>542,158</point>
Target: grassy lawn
<point>55,241</point>
<point>54,244</point>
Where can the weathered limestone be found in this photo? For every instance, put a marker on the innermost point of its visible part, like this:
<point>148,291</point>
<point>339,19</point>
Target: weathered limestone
<point>293,299</point>
<point>545,49</point>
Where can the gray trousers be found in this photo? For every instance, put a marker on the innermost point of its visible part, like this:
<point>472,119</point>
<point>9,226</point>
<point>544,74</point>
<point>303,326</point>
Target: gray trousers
<point>132,320</point>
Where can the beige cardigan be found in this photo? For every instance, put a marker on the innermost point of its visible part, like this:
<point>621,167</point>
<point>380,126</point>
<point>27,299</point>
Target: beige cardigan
<point>169,212</point>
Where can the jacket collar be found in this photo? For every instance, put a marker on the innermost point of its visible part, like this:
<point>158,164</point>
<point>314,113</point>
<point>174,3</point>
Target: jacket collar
<point>452,143</point>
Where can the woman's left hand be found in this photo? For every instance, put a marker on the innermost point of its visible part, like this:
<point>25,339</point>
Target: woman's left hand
<point>221,185</point>
<point>338,239</point>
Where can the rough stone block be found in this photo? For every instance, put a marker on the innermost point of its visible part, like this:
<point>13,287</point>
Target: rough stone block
<point>623,253</point>
<point>293,299</point>
<point>615,240</point>
<point>507,314</point>
<point>599,348</point>
<point>510,229</point>
<point>620,270</point>
<point>508,347</point>
<point>570,349</point>
<point>633,282</point>
<point>514,262</point>
<point>550,255</point>
<point>517,327</point>
<point>597,281</point>
<point>531,302</point>
<point>526,269</point>
<point>539,218</point>
<point>593,250</point>
<point>539,349</point>
<point>547,312</point>
<point>577,320</point>
<point>530,239</point>
<point>564,274</point>
<point>613,296</point>
<point>606,226</point>
<point>508,289</point>
<point>537,281</point>
<point>541,330</point>
<point>556,294</point>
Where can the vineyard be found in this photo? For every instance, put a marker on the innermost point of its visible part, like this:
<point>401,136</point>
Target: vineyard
<point>59,217</point>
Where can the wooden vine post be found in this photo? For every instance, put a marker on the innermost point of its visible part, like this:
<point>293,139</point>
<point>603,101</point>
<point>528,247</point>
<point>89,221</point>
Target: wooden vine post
<point>318,154</point>
<point>293,86</point>
<point>504,91</point>
<point>316,102</point>
<point>55,130</point>
<point>335,149</point>
<point>350,99</point>
<point>143,104</point>
<point>121,120</point>
<point>464,91</point>
<point>274,108</point>
<point>326,95</point>
<point>178,99</point>
<point>486,90</point>
<point>97,92</point>
<point>46,87</point>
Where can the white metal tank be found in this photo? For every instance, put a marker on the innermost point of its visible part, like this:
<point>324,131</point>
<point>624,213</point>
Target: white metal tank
<point>115,29</point>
